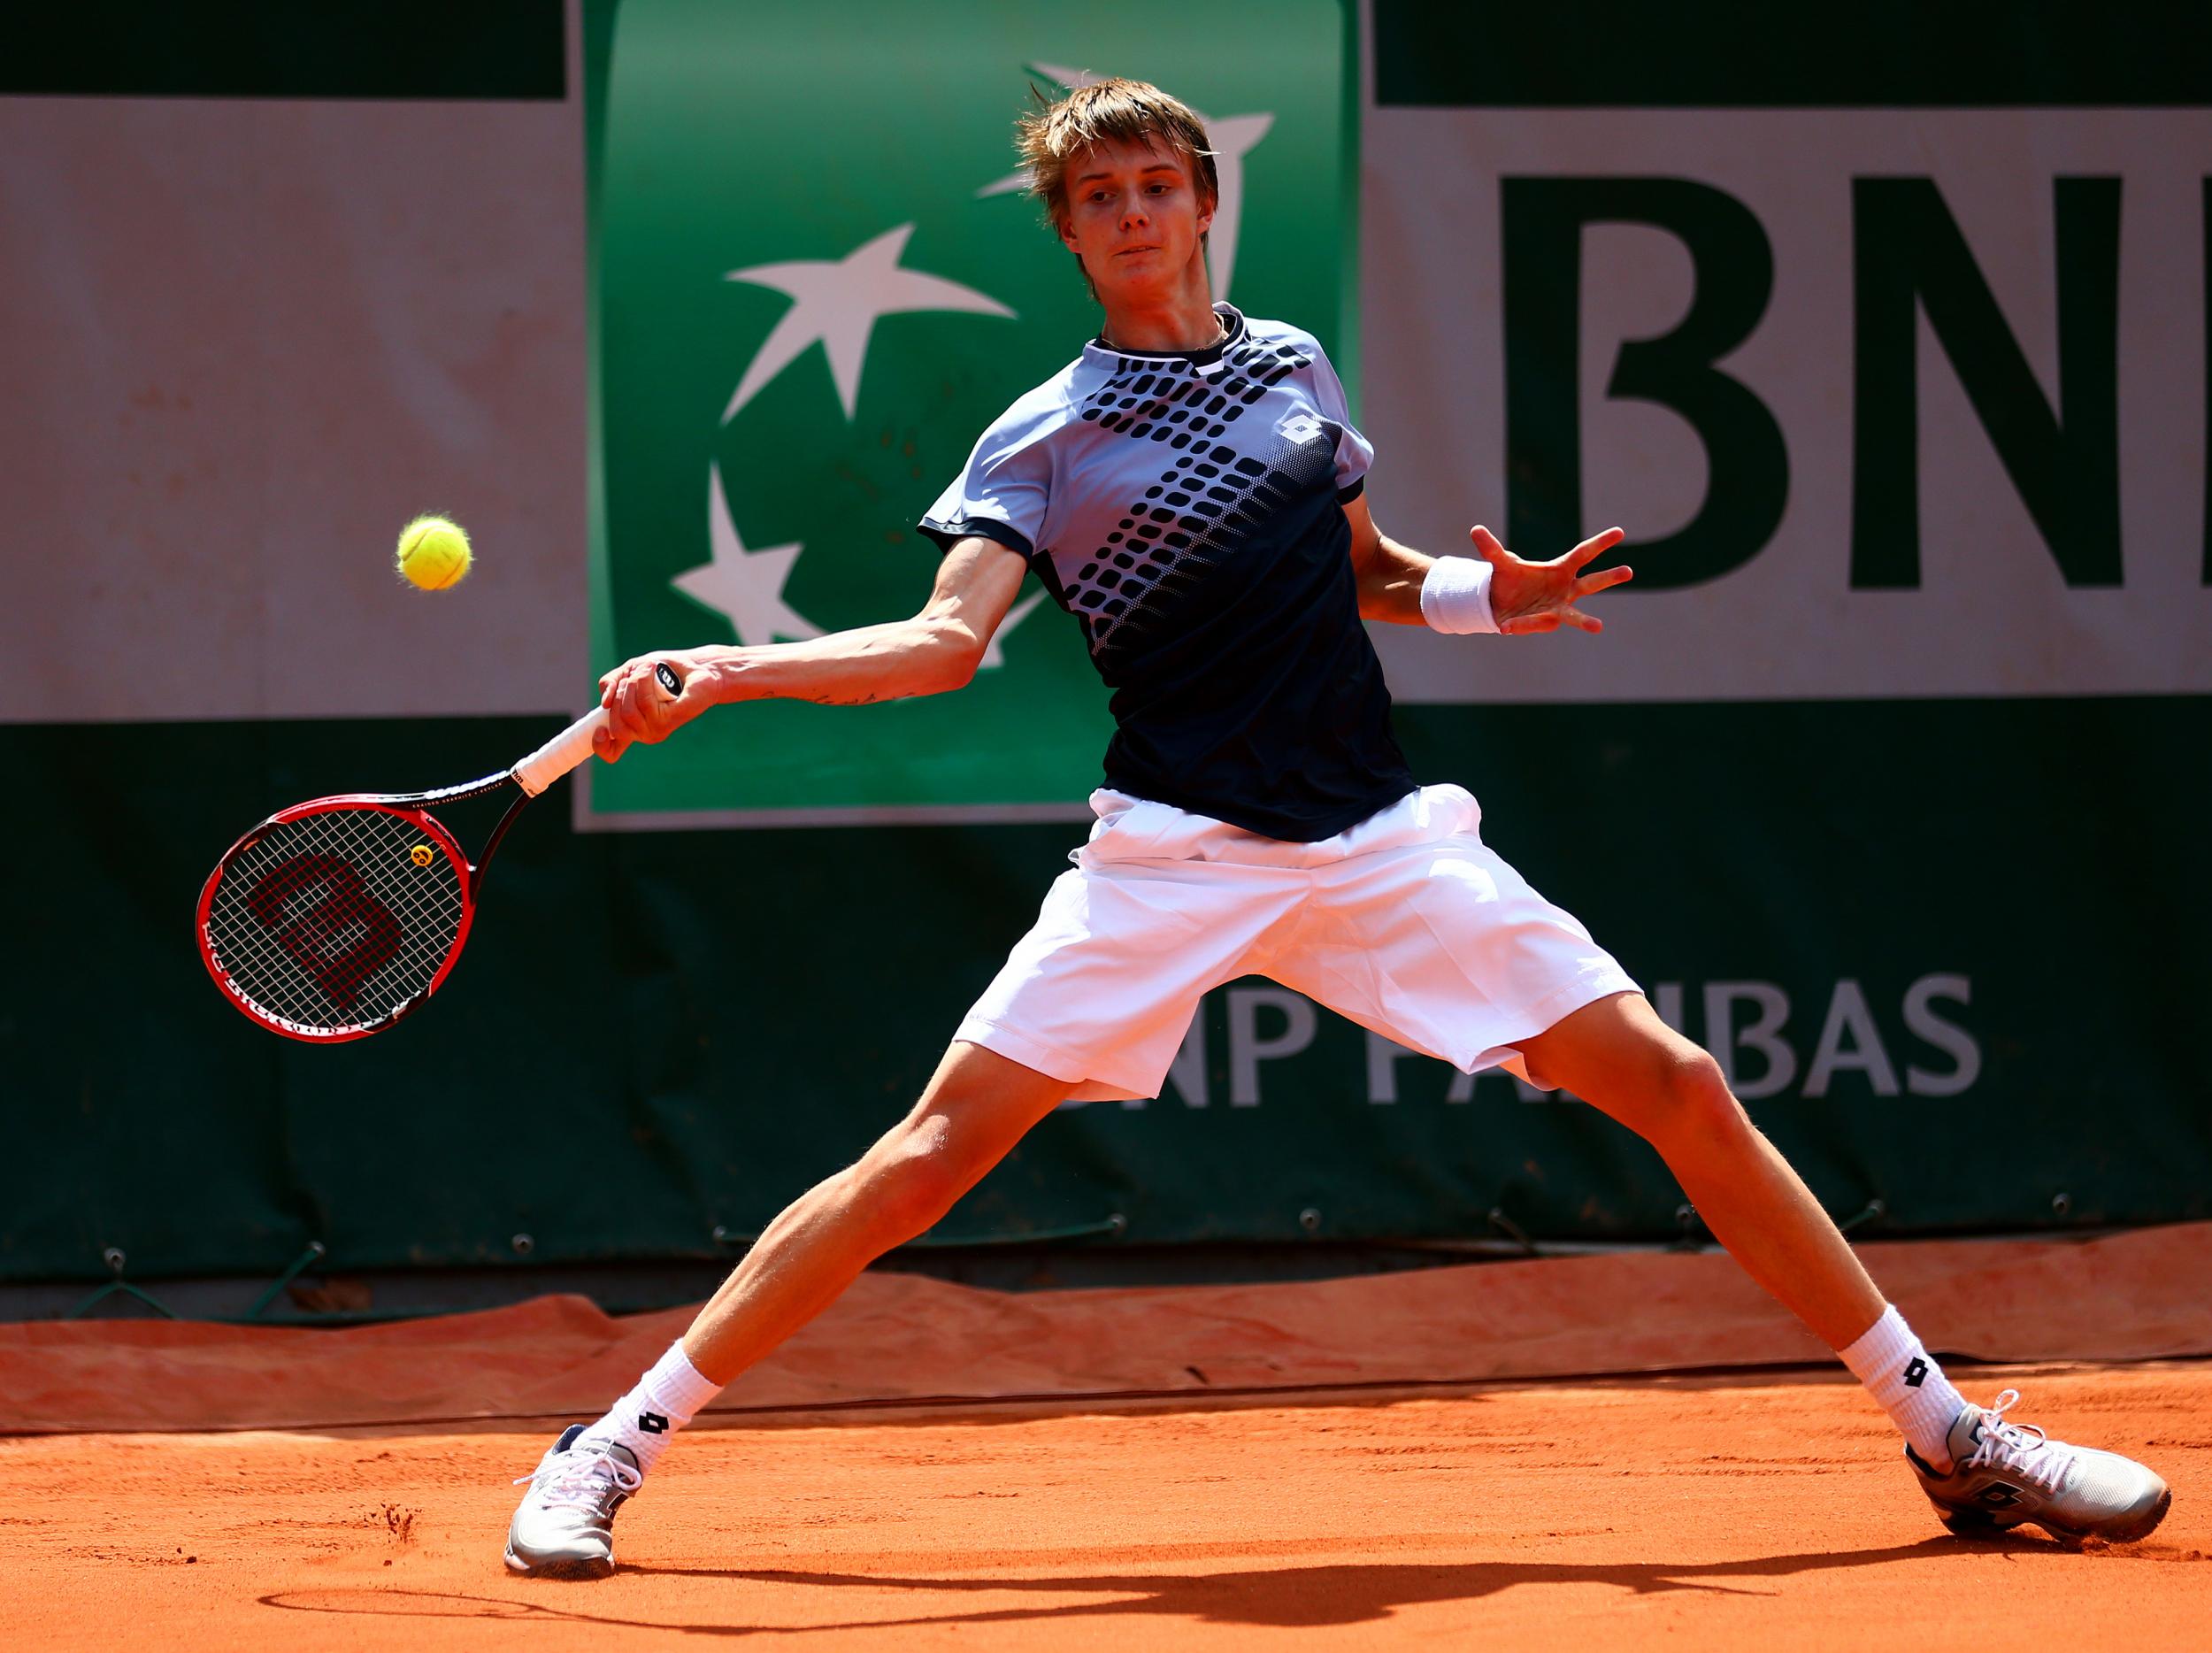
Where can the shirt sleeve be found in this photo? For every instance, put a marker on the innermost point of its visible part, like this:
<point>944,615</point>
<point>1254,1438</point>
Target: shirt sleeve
<point>1354,452</point>
<point>1001,496</point>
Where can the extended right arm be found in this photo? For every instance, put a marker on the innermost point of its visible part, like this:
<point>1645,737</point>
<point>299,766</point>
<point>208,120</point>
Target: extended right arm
<point>938,650</point>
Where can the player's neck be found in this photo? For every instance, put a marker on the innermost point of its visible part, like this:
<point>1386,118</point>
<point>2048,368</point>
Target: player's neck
<point>1186,321</point>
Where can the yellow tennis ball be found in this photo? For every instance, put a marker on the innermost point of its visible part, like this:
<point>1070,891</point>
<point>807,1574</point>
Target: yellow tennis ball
<point>433,553</point>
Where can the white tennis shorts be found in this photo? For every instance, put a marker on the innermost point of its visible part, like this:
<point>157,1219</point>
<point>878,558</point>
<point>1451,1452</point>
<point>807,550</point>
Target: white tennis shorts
<point>1408,923</point>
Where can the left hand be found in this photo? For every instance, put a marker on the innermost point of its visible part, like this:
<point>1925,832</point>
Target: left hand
<point>1527,597</point>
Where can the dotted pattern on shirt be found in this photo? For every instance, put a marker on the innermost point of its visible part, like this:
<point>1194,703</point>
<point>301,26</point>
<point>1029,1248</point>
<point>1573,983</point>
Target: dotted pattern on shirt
<point>1212,493</point>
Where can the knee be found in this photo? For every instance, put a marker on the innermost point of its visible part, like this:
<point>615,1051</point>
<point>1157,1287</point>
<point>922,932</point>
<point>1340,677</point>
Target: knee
<point>912,1177</point>
<point>1690,1101</point>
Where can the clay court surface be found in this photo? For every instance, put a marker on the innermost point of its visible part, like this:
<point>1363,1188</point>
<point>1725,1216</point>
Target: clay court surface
<point>1699,1512</point>
<point>1406,1460</point>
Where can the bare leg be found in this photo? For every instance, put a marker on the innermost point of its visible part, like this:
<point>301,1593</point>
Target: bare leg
<point>1619,1055</point>
<point>975,1108</point>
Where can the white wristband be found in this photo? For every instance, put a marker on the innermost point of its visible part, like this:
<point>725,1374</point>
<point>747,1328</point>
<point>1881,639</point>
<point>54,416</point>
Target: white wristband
<point>1455,596</point>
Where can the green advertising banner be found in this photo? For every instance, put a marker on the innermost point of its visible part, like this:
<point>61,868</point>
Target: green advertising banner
<point>656,1040</point>
<point>817,278</point>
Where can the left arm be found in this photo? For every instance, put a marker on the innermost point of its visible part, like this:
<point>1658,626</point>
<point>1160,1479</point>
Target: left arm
<point>1526,597</point>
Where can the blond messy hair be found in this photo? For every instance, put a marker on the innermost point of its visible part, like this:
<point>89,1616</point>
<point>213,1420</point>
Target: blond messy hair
<point>1108,112</point>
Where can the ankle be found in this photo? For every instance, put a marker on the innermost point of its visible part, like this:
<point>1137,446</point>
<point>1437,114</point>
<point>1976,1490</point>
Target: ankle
<point>1908,1384</point>
<point>665,1399</point>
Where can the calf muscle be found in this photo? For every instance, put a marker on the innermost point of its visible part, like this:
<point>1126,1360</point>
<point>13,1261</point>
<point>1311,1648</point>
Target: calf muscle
<point>1619,1056</point>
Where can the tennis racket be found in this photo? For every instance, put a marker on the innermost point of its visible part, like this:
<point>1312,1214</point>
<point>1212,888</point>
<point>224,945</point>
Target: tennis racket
<point>335,918</point>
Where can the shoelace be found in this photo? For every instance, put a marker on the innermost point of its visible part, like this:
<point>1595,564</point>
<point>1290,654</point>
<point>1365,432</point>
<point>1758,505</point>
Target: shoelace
<point>2021,1450</point>
<point>583,1477</point>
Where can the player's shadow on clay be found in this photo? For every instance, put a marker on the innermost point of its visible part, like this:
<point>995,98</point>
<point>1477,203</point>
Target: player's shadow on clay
<point>1281,1597</point>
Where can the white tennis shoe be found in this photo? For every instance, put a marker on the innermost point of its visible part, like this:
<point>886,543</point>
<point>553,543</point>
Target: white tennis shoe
<point>2004,1475</point>
<point>565,1526</point>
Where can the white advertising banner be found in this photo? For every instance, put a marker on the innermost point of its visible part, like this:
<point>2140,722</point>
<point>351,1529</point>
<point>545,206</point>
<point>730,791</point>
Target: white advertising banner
<point>245,341</point>
<point>1951,365</point>
<point>1877,421</point>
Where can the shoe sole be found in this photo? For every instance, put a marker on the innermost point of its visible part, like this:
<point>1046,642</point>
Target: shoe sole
<point>579,1567</point>
<point>1973,1524</point>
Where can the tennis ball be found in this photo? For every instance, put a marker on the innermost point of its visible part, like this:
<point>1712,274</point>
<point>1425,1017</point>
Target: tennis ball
<point>433,553</point>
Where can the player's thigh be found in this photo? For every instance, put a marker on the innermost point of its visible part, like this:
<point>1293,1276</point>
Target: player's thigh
<point>1619,1055</point>
<point>1438,943</point>
<point>1102,988</point>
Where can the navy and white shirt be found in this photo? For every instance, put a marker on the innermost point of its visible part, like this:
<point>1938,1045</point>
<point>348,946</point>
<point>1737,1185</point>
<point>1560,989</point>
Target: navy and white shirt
<point>1186,507</point>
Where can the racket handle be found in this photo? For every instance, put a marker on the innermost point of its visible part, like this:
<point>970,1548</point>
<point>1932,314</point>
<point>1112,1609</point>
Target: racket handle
<point>560,754</point>
<point>573,744</point>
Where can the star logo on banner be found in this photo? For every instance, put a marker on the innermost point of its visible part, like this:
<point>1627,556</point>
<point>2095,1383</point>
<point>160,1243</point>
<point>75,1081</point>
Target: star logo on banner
<point>836,304</point>
<point>745,588</point>
<point>1232,136</point>
<point>1015,615</point>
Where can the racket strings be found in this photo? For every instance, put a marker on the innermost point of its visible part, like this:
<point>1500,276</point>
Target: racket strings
<point>332,921</point>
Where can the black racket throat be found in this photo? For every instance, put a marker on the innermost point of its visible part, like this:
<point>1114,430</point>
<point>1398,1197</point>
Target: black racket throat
<point>481,787</point>
<point>484,785</point>
<point>491,844</point>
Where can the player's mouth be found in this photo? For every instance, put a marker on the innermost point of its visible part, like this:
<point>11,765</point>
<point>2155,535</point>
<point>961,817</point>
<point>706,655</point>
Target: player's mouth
<point>1128,251</point>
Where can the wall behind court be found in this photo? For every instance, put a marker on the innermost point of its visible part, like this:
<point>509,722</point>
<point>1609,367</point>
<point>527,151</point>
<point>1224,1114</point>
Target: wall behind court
<point>1916,856</point>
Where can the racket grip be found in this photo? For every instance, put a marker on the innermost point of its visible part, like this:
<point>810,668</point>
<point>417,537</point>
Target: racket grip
<point>573,744</point>
<point>560,754</point>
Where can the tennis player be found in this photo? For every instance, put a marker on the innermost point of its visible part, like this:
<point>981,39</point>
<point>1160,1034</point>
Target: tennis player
<point>1191,489</point>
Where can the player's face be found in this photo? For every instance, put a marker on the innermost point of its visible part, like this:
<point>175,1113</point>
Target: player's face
<point>1134,216</point>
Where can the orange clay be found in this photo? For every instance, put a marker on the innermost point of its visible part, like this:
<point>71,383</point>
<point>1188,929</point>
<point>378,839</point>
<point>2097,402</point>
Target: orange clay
<point>1767,1515</point>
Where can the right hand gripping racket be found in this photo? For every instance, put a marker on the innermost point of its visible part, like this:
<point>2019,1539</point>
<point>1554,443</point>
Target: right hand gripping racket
<point>333,919</point>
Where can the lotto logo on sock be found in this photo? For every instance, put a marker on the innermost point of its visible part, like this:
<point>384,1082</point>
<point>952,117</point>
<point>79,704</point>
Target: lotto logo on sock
<point>1916,1372</point>
<point>652,1423</point>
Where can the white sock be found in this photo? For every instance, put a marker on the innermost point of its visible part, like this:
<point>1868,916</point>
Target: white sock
<point>667,1398</point>
<point>1904,1378</point>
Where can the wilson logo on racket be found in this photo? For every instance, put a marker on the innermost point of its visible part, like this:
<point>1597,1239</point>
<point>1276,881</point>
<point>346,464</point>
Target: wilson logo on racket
<point>421,854</point>
<point>342,937</point>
